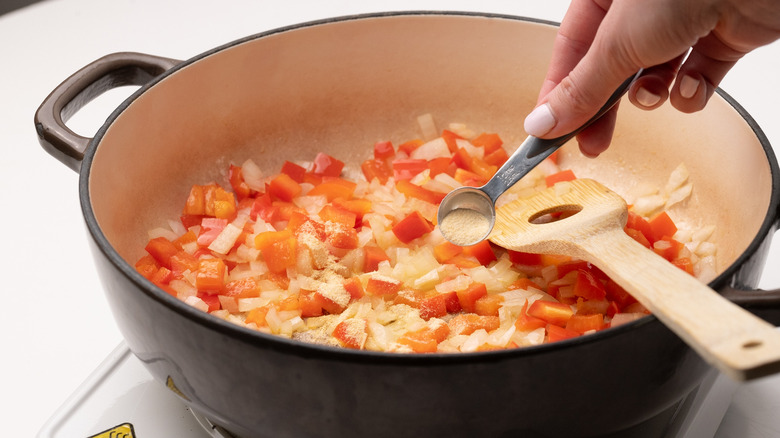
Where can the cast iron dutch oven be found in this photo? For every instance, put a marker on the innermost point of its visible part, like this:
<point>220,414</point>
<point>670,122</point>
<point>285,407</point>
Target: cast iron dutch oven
<point>338,86</point>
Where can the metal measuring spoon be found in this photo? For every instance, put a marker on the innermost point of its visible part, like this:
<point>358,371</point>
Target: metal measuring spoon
<point>467,215</point>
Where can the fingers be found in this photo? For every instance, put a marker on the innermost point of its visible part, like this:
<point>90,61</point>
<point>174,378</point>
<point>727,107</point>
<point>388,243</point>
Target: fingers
<point>584,72</point>
<point>706,66</point>
<point>651,90</point>
<point>575,36</point>
<point>596,138</point>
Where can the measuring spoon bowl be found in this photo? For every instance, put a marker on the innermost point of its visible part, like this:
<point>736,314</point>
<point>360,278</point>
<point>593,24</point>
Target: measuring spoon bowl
<point>528,155</point>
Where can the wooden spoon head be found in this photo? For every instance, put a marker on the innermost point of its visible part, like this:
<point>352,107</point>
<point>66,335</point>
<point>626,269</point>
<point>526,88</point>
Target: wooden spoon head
<point>586,207</point>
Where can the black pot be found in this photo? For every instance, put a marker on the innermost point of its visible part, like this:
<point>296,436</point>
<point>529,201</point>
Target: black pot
<point>288,93</point>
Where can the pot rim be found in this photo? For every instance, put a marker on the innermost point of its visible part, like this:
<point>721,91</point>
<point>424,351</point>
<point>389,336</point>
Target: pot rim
<point>300,348</point>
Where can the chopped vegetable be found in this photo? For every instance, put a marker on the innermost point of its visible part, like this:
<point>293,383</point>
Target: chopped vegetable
<point>311,254</point>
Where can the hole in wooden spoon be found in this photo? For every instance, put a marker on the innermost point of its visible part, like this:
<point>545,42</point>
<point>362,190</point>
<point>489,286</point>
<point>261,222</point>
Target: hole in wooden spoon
<point>554,214</point>
<point>752,344</point>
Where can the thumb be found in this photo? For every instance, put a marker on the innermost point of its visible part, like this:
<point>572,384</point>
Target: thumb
<point>578,96</point>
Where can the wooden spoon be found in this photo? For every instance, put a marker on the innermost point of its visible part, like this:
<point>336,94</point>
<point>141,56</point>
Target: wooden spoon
<point>730,338</point>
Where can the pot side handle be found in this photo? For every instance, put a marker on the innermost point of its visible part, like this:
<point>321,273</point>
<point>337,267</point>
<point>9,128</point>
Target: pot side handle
<point>111,71</point>
<point>763,303</point>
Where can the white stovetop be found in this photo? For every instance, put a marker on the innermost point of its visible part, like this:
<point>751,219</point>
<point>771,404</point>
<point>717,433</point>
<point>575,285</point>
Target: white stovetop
<point>56,327</point>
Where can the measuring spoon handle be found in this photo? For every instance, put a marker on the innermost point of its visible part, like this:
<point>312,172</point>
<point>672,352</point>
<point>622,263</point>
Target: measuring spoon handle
<point>534,150</point>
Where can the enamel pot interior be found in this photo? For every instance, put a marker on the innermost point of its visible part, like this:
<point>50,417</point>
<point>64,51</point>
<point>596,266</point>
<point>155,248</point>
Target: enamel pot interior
<point>340,86</point>
<point>290,95</point>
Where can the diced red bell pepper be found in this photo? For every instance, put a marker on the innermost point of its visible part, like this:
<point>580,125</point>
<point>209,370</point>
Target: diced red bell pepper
<point>639,237</point>
<point>468,323</point>
<point>472,164</point>
<point>668,248</point>
<point>244,288</point>
<point>526,322</point>
<point>352,333</point>
<point>450,138</point>
<point>408,168</point>
<point>445,251</point>
<point>294,171</point>
<point>381,286</point>
<point>640,224</point>
<point>491,142</point>
<point>468,178</point>
<point>383,150</point>
<point>186,238</point>
<point>278,249</point>
<point>585,323</point>
<point>433,307</point>
<point>415,191</point>
<point>325,165</point>
<point>410,297</point>
<point>523,283</point>
<point>591,307</point>
<point>482,251</point>
<point>551,311</point>
<point>488,305</point>
<point>210,277</point>
<point>662,226</point>
<point>469,296</point>
<point>524,258</point>
<point>310,304</point>
<point>378,169</point>
<point>556,333</point>
<point>329,305</point>
<point>162,250</point>
<point>236,178</point>
<point>616,293</point>
<point>284,188</point>
<point>425,340</point>
<point>441,165</point>
<point>343,237</point>
<point>497,158</point>
<point>212,301</point>
<point>358,206</point>
<point>183,261</point>
<point>210,200</point>
<point>338,215</point>
<point>354,287</point>
<point>463,262</point>
<point>412,227</point>
<point>209,230</point>
<point>334,188</point>
<point>257,316</point>
<point>564,175</point>
<point>162,277</point>
<point>372,257</point>
<point>685,264</point>
<point>146,266</point>
<point>409,146</point>
<point>588,287</point>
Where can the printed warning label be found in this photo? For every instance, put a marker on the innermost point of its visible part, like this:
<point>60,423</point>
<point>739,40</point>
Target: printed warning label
<point>124,430</point>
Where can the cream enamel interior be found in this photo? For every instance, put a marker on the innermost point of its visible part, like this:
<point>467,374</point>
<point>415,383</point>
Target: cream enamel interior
<point>341,86</point>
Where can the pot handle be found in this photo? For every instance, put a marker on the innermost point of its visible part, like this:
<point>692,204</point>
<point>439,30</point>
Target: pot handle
<point>763,303</point>
<point>111,71</point>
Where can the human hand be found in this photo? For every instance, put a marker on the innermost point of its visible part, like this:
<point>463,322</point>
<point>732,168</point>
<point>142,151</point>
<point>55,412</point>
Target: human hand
<point>602,42</point>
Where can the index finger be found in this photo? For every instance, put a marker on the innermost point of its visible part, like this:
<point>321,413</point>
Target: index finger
<point>574,38</point>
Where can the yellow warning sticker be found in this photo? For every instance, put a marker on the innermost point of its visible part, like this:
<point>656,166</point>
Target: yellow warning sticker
<point>124,430</point>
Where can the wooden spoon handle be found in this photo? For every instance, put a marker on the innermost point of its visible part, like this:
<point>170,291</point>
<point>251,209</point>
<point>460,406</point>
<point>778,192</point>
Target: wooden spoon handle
<point>730,338</point>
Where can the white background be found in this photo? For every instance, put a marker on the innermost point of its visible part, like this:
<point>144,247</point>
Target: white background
<point>55,326</point>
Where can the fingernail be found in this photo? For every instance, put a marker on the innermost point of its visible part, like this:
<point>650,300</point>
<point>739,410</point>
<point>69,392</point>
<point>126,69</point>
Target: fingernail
<point>688,86</point>
<point>540,121</point>
<point>647,98</point>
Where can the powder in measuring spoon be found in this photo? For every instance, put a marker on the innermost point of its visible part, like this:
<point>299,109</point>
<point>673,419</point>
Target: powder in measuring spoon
<point>464,226</point>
